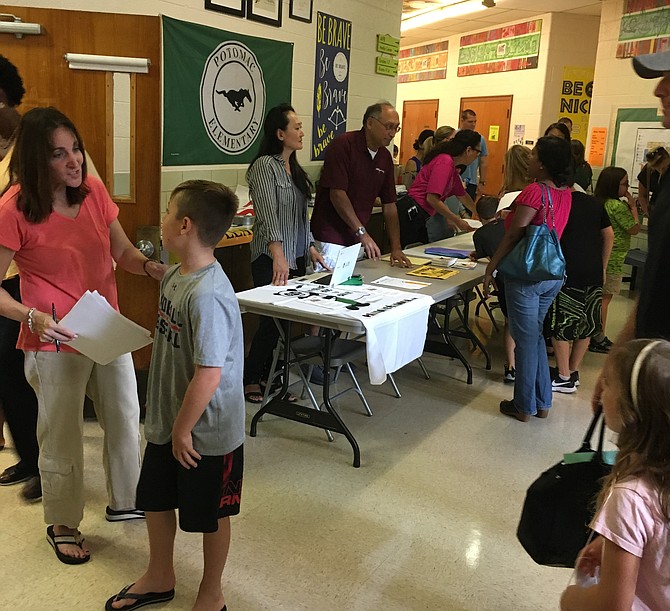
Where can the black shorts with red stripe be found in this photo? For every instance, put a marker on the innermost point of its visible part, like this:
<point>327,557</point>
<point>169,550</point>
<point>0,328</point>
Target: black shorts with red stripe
<point>202,494</point>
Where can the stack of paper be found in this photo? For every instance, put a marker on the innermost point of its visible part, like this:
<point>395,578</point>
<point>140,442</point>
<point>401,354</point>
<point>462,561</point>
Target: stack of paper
<point>103,334</point>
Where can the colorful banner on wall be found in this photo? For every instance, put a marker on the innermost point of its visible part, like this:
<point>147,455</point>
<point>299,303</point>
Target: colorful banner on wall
<point>513,47</point>
<point>217,88</point>
<point>645,28</point>
<point>331,81</point>
<point>575,100</point>
<point>423,63</point>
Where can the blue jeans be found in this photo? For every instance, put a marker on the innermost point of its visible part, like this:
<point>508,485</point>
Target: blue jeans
<point>527,305</point>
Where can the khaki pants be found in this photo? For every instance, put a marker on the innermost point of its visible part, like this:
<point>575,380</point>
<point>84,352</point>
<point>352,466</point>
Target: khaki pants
<point>61,380</point>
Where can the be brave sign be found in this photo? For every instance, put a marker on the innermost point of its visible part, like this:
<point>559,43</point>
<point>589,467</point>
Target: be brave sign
<point>331,81</point>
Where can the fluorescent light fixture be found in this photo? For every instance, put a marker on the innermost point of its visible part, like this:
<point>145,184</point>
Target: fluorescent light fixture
<point>454,10</point>
<point>18,27</point>
<point>426,8</point>
<point>107,63</point>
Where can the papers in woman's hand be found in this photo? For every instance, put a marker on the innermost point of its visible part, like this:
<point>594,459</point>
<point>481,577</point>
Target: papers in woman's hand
<point>103,334</point>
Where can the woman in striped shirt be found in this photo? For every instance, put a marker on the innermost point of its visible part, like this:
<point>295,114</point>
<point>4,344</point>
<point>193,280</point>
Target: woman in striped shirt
<point>280,190</point>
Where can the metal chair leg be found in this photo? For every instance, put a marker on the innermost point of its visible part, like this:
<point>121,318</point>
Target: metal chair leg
<point>358,389</point>
<point>396,390</point>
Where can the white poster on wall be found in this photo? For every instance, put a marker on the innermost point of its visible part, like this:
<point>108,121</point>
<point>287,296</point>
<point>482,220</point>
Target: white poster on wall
<point>636,139</point>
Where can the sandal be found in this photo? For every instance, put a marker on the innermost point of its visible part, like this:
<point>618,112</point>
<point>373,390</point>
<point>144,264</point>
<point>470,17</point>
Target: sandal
<point>255,396</point>
<point>141,600</point>
<point>276,387</point>
<point>56,540</point>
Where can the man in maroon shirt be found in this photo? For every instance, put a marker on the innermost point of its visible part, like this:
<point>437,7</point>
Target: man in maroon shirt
<point>357,169</point>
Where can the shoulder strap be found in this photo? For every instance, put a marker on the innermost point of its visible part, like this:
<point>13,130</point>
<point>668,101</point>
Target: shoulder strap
<point>586,442</point>
<point>547,191</point>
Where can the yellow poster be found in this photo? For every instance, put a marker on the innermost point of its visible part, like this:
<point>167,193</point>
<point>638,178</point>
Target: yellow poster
<point>575,99</point>
<point>494,131</point>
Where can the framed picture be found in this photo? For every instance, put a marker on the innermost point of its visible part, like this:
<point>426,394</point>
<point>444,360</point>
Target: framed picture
<point>301,10</point>
<point>265,11</point>
<point>230,7</point>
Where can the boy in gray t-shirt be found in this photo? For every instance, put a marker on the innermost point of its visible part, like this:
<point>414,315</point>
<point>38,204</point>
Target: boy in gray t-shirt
<point>195,402</point>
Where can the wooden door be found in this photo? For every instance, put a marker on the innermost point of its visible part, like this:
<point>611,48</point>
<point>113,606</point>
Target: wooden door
<point>84,96</point>
<point>417,115</point>
<point>493,122</point>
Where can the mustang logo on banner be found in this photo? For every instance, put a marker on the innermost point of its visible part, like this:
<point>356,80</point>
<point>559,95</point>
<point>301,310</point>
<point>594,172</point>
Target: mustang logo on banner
<point>218,86</point>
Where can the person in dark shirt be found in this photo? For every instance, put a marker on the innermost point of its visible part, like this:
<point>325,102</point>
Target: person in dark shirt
<point>658,161</point>
<point>576,313</point>
<point>583,171</point>
<point>487,239</point>
<point>357,169</point>
<point>649,319</point>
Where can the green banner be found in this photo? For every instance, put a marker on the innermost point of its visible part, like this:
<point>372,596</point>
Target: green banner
<point>497,50</point>
<point>650,24</point>
<point>217,88</point>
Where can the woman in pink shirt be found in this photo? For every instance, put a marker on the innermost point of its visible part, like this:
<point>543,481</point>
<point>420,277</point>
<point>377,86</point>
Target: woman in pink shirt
<point>630,559</point>
<point>438,179</point>
<point>61,228</point>
<point>528,301</point>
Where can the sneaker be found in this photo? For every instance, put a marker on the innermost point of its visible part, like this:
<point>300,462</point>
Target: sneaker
<point>600,347</point>
<point>14,475</point>
<point>510,375</point>
<point>120,515</point>
<point>32,491</point>
<point>574,376</point>
<point>565,386</point>
<point>608,341</point>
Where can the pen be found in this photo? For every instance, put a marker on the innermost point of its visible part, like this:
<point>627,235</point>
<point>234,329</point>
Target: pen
<point>53,314</point>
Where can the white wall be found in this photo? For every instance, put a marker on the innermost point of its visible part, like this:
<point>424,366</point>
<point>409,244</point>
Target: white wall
<point>616,84</point>
<point>536,92</point>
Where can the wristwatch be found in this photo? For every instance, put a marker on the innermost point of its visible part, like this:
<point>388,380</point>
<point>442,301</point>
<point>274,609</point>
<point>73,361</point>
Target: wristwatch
<point>361,231</point>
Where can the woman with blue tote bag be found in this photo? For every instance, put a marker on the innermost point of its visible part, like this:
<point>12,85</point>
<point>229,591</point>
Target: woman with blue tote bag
<point>546,201</point>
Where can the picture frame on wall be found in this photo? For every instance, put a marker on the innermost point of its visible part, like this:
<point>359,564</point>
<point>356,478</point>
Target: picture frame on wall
<point>301,10</point>
<point>265,11</point>
<point>229,7</point>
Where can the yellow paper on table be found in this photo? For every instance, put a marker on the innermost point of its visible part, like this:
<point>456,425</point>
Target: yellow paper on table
<point>431,271</point>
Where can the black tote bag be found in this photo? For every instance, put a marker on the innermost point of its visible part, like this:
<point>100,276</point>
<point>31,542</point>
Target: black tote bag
<point>560,505</point>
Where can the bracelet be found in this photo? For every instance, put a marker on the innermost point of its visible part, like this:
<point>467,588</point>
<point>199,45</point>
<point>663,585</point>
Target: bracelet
<point>31,322</point>
<point>144,266</point>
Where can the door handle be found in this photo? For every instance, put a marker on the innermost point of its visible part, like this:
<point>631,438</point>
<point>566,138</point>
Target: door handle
<point>145,247</point>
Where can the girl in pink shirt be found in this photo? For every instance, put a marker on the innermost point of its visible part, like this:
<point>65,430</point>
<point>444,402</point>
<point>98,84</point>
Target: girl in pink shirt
<point>633,517</point>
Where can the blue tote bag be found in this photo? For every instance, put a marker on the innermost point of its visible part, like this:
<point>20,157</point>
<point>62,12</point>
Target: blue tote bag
<point>538,255</point>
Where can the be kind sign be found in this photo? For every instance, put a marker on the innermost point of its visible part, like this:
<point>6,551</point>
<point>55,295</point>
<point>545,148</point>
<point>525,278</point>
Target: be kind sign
<point>331,81</point>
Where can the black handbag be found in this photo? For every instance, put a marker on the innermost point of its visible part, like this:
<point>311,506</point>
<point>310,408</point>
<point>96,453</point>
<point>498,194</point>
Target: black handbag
<point>537,255</point>
<point>560,505</point>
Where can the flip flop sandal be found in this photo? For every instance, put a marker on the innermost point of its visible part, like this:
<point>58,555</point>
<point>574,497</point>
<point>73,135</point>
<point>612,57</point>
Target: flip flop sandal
<point>255,396</point>
<point>141,600</point>
<point>56,540</point>
<point>290,397</point>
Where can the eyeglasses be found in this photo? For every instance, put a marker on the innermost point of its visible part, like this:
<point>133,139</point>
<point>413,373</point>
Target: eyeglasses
<point>479,151</point>
<point>389,127</point>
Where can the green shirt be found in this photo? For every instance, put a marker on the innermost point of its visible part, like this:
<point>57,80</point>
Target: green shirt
<point>622,220</point>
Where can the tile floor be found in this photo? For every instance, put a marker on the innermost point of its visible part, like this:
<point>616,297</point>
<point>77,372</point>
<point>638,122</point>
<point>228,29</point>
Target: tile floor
<point>427,522</point>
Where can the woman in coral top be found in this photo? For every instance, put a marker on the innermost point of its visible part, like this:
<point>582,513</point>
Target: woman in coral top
<point>61,228</point>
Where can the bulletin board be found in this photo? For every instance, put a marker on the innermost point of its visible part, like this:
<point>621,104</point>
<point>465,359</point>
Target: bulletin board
<point>637,131</point>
